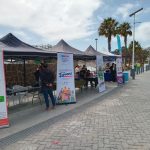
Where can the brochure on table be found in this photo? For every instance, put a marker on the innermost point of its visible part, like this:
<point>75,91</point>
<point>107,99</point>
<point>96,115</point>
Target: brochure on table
<point>3,104</point>
<point>65,79</point>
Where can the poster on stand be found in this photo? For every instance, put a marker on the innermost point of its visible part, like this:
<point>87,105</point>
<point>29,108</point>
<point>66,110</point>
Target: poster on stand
<point>65,79</point>
<point>3,104</point>
<point>119,70</point>
<point>100,73</point>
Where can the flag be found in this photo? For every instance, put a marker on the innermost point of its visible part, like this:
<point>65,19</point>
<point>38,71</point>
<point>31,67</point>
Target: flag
<point>119,44</point>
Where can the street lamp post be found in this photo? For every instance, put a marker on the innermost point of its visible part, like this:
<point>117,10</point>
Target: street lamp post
<point>133,57</point>
<point>96,43</point>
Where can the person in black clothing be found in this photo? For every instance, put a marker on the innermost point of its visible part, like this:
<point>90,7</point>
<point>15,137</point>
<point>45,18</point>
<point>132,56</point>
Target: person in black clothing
<point>47,84</point>
<point>113,72</point>
<point>87,78</point>
<point>83,72</point>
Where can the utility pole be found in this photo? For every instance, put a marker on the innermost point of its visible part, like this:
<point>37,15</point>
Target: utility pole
<point>133,51</point>
<point>96,43</point>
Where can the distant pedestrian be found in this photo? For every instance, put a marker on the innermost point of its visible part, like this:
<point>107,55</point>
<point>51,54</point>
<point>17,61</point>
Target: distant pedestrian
<point>47,85</point>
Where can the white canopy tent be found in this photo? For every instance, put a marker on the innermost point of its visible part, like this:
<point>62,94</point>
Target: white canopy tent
<point>91,51</point>
<point>108,57</point>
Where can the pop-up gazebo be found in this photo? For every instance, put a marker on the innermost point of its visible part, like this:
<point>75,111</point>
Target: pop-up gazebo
<point>14,48</point>
<point>107,58</point>
<point>64,47</point>
<point>106,55</point>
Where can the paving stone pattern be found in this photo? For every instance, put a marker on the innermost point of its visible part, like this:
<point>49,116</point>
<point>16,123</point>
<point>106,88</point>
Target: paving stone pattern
<point>119,122</point>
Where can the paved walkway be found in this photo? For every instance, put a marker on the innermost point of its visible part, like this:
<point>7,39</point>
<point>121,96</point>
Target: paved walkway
<point>119,121</point>
<point>26,116</point>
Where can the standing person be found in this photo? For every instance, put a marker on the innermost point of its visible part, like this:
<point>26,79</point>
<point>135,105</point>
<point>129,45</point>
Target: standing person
<point>107,68</point>
<point>138,65</point>
<point>47,84</point>
<point>83,72</point>
<point>77,72</point>
<point>113,72</point>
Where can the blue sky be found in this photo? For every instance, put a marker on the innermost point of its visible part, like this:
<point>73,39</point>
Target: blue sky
<point>75,21</point>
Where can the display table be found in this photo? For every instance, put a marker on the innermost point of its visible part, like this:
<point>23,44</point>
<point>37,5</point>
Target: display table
<point>21,93</point>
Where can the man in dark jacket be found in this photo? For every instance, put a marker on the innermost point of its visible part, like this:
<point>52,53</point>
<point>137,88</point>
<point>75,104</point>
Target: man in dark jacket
<point>47,84</point>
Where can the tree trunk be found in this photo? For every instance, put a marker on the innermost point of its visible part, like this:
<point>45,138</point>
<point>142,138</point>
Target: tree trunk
<point>109,43</point>
<point>125,44</point>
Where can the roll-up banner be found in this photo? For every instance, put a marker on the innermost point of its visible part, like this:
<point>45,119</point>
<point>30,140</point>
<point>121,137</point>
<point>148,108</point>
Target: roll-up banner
<point>65,79</point>
<point>119,70</point>
<point>3,101</point>
<point>100,73</point>
<point>119,44</point>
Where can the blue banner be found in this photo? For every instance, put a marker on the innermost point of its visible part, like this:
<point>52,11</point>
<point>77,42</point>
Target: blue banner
<point>119,44</point>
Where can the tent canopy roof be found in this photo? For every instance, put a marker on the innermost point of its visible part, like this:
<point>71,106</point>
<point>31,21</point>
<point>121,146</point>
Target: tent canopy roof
<point>13,47</point>
<point>10,43</point>
<point>63,46</point>
<point>91,51</point>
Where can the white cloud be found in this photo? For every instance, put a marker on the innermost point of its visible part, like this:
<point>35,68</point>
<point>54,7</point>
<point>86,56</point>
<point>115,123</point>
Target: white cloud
<point>22,35</point>
<point>146,10</point>
<point>142,33</point>
<point>124,10</point>
<point>51,19</point>
<point>100,18</point>
<point>87,39</point>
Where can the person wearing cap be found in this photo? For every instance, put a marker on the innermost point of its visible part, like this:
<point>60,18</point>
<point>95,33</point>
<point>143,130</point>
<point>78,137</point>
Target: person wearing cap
<point>46,78</point>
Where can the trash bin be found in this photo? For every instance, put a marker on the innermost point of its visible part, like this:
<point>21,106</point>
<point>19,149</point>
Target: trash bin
<point>125,76</point>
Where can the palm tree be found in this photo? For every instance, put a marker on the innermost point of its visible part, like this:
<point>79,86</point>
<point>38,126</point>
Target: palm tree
<point>124,29</point>
<point>108,29</point>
